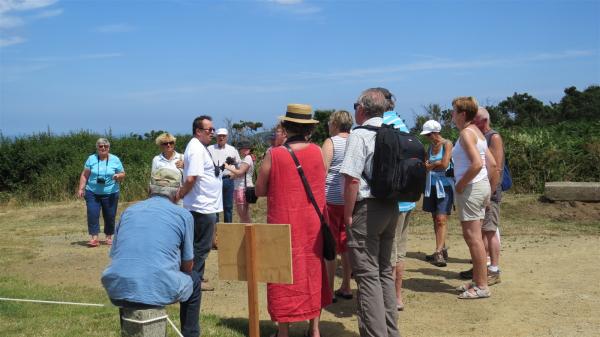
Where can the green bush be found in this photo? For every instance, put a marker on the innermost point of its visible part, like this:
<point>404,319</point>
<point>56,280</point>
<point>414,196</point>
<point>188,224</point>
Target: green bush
<point>45,167</point>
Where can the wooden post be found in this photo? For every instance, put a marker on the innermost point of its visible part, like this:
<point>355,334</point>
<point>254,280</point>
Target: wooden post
<point>252,282</point>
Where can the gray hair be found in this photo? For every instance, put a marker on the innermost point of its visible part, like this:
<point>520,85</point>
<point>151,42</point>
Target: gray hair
<point>390,99</point>
<point>374,102</point>
<point>166,191</point>
<point>102,141</point>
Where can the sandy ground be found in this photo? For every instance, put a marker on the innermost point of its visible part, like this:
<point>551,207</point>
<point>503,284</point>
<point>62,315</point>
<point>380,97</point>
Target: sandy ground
<point>549,288</point>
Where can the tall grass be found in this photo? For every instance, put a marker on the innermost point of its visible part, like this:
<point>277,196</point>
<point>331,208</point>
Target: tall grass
<point>46,167</point>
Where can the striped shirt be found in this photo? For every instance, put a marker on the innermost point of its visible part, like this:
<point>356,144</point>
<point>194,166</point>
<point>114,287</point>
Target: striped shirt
<point>334,188</point>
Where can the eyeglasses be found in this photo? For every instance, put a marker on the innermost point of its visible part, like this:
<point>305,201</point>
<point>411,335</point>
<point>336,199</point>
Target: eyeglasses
<point>103,146</point>
<point>210,130</point>
<point>168,143</point>
<point>356,105</point>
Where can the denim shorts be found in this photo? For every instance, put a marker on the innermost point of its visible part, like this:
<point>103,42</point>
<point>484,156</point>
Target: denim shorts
<point>439,206</point>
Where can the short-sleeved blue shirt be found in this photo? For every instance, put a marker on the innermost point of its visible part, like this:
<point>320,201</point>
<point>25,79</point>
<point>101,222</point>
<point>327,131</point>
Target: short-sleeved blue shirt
<point>104,169</point>
<point>151,240</point>
<point>392,118</point>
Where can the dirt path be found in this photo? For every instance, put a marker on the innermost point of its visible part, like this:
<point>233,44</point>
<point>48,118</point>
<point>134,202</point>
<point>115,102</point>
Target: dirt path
<point>549,288</point>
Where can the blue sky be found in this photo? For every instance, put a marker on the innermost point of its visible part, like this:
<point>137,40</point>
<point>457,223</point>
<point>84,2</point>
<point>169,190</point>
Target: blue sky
<point>134,66</point>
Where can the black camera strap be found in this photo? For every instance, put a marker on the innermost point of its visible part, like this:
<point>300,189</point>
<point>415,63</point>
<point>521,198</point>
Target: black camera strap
<point>105,168</point>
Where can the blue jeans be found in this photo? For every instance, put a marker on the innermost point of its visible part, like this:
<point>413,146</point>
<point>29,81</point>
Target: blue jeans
<point>204,227</point>
<point>189,311</point>
<point>227,200</point>
<point>108,204</point>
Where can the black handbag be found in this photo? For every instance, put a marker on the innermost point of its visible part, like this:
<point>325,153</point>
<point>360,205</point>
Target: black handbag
<point>249,192</point>
<point>328,240</point>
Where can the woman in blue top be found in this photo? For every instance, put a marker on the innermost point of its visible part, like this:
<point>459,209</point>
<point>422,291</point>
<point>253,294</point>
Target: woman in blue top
<point>99,184</point>
<point>439,195</point>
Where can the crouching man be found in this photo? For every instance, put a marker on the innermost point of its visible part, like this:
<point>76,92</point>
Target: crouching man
<point>152,255</point>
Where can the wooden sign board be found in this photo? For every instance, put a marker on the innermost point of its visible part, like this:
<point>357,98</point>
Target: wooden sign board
<point>273,252</point>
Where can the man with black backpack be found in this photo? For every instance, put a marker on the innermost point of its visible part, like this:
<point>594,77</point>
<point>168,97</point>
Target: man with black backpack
<point>370,224</point>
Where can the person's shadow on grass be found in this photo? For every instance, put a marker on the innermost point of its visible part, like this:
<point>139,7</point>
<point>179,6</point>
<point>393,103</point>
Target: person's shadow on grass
<point>423,285</point>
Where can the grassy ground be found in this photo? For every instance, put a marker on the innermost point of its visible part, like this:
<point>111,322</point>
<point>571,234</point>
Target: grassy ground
<point>42,256</point>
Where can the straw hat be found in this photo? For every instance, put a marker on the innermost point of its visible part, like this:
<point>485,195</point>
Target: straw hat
<point>299,113</point>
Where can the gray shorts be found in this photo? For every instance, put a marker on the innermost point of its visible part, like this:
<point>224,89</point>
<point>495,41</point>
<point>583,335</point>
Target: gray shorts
<point>471,202</point>
<point>492,217</point>
<point>401,238</point>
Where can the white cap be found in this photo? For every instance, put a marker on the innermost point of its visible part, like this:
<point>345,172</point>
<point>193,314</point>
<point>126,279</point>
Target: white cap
<point>222,131</point>
<point>431,126</point>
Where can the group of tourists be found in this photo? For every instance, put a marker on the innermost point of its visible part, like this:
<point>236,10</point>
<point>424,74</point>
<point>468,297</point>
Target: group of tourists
<point>159,248</point>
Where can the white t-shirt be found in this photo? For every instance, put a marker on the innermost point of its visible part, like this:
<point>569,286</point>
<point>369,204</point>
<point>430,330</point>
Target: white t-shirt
<point>206,195</point>
<point>238,183</point>
<point>219,155</point>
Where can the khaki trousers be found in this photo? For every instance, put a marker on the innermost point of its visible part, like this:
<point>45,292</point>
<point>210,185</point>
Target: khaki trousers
<point>370,244</point>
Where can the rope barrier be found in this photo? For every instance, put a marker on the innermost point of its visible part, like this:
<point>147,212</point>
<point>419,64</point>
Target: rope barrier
<point>96,305</point>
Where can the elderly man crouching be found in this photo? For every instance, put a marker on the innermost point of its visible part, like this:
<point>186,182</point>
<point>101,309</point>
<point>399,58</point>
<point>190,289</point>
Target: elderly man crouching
<point>152,255</point>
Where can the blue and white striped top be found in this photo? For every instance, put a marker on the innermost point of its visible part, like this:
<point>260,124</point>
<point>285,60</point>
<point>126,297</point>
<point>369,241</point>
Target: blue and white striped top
<point>334,188</point>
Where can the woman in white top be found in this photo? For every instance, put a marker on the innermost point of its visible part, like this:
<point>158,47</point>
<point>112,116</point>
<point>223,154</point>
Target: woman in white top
<point>472,162</point>
<point>243,178</point>
<point>334,150</point>
<point>168,157</point>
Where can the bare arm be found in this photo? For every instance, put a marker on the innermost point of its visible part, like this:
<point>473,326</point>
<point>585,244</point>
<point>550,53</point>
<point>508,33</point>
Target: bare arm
<point>442,164</point>
<point>496,147</point>
<point>188,183</point>
<point>468,141</point>
<point>238,172</point>
<point>83,178</point>
<point>186,266</point>
<point>492,170</point>
<point>351,186</point>
<point>262,181</point>
<point>327,151</point>
<point>119,176</point>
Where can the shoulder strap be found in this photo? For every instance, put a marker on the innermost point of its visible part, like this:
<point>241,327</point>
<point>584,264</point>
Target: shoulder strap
<point>311,197</point>
<point>367,127</point>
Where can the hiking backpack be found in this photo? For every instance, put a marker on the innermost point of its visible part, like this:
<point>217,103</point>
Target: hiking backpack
<point>398,170</point>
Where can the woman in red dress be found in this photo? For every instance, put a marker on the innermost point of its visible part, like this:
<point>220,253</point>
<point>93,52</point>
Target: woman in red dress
<point>288,203</point>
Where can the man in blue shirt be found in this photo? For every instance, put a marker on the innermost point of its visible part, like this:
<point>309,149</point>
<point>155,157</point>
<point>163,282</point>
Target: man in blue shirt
<point>152,255</point>
<point>390,117</point>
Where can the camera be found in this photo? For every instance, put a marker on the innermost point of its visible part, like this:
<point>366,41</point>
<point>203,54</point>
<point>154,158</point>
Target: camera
<point>228,161</point>
<point>101,180</point>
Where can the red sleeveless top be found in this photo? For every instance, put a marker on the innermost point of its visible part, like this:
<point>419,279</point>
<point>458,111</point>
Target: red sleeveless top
<point>288,203</point>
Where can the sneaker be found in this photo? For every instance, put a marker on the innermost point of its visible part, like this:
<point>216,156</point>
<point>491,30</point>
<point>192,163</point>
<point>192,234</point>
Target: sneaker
<point>438,260</point>
<point>467,274</point>
<point>206,287</point>
<point>493,277</point>
<point>444,255</point>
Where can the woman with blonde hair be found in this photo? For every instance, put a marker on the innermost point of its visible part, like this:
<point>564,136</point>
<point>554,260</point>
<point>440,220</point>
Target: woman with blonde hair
<point>334,150</point>
<point>168,157</point>
<point>472,164</point>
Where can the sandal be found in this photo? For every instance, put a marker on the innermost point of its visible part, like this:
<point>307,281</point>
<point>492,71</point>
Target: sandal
<point>478,293</point>
<point>108,242</point>
<point>346,296</point>
<point>93,243</point>
<point>465,287</point>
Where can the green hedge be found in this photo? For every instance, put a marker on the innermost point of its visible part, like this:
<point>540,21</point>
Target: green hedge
<point>45,167</point>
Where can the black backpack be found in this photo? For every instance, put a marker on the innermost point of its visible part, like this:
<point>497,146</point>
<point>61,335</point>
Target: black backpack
<point>398,171</point>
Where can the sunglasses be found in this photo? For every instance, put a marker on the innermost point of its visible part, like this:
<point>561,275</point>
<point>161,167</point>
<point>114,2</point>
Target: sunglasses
<point>168,143</point>
<point>356,105</point>
<point>210,130</point>
<point>103,146</point>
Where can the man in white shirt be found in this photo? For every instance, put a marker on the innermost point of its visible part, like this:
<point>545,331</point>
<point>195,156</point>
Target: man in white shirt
<point>201,189</point>
<point>220,152</point>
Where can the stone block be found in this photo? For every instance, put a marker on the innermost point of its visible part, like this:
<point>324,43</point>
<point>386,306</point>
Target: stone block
<point>144,322</point>
<point>572,191</point>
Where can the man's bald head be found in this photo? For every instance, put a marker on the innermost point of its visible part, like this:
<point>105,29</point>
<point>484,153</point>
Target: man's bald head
<point>482,119</point>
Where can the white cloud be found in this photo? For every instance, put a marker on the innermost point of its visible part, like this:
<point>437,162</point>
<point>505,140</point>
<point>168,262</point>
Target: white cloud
<point>287,2</point>
<point>11,17</point>
<point>297,7</point>
<point>9,41</point>
<point>115,28</point>
<point>99,56</point>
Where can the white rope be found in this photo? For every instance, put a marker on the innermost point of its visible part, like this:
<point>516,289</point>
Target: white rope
<point>174,327</point>
<point>146,321</point>
<point>49,302</point>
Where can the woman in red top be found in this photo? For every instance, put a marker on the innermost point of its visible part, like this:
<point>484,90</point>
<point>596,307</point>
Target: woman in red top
<point>288,203</point>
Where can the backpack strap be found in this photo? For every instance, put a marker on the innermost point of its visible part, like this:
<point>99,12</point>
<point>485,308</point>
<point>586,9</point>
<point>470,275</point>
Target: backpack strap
<point>307,188</point>
<point>367,127</point>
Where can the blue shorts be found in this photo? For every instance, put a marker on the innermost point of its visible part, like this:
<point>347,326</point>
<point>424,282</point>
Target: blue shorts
<point>439,206</point>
